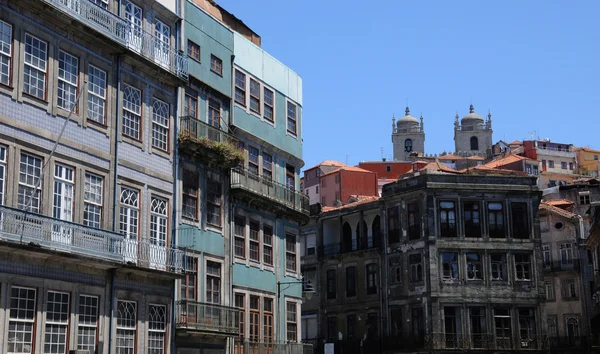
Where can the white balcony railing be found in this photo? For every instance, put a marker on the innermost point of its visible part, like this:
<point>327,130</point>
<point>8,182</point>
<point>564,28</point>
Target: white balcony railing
<point>58,235</point>
<point>123,32</point>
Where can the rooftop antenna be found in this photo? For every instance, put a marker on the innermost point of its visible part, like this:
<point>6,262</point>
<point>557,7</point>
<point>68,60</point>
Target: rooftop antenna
<point>381,152</point>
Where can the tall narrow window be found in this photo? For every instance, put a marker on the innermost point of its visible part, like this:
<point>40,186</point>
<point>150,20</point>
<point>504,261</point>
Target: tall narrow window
<point>547,255</point>
<point>496,220</point>
<point>498,265</point>
<point>64,179</point>
<point>68,72</point>
<point>447,219</point>
<point>351,281</point>
<point>214,115</point>
<point>157,328</point>
<point>254,240</point>
<point>332,332</point>
<point>189,284</point>
<point>331,284</point>
<point>160,125</point>
<point>87,323</point>
<point>502,327</point>
<point>414,221</point>
<point>267,166</point>
<point>549,287</point>
<point>2,173</point>
<point>57,322</point>
<point>290,177</point>
<point>520,217</point>
<point>416,267</point>
<point>239,231</point>
<point>5,52</point>
<point>526,326</point>
<point>472,219</point>
<point>96,94</point>
<point>240,303</point>
<point>268,244</point>
<point>216,65</point>
<point>253,160</point>
<point>451,326</point>
<point>372,326</point>
<point>213,199</point>
<point>35,67</point>
<point>292,322</point>
<point>213,282</point>
<point>566,253</point>
<point>449,266</point>
<point>158,222</point>
<point>268,320</point>
<point>240,88</point>
<point>21,321</point>
<point>126,326</point>
<point>393,225</point>
<point>479,327</point>
<point>30,172</point>
<point>190,194</point>
<point>474,143</point>
<point>290,252</point>
<point>193,50</point>
<point>474,266</point>
<point>522,267</point>
<point>254,96</point>
<point>254,334</point>
<point>569,289</point>
<point>291,118</point>
<point>190,106</point>
<point>132,112</point>
<point>162,43</point>
<point>351,327</point>
<point>268,105</point>
<point>372,278</point>
<point>129,213</point>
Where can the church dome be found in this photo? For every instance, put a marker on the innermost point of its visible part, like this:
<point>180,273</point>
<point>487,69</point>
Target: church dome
<point>408,120</point>
<point>472,118</point>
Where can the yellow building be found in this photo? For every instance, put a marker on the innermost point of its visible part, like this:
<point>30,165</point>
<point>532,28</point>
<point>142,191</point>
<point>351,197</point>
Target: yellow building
<point>588,161</point>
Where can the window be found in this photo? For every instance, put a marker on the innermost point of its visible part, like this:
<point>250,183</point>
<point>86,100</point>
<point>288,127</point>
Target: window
<point>5,52</point>
<point>496,220</point>
<point>549,287</point>
<point>472,219</point>
<point>132,112</point>
<point>332,332</point>
<point>268,244</point>
<point>372,278</point>
<point>189,283</point>
<point>267,166</point>
<point>528,169</point>
<point>157,328</point>
<point>102,3</point>
<point>240,303</point>
<point>522,267</point>
<point>451,326</point>
<point>498,265</point>
<point>190,106</point>
<point>351,326</point>
<point>547,255</point>
<point>595,157</point>
<point>474,266</point>
<point>350,281</point>
<point>450,266</point>
<point>291,118</point>
<point>520,218</point>
<point>572,328</point>
<point>96,94</point>
<point>397,322</point>
<point>268,336</point>
<point>253,159</point>
<point>254,96</point>
<point>158,222</point>
<point>552,183</point>
<point>414,221</point>
<point>35,67</point>
<point>254,335</point>
<point>416,268</point>
<point>190,194</point>
<point>57,322</point>
<point>160,125</point>
<point>550,163</point>
<point>240,88</point>
<point>563,165</point>
<point>479,326</point>
<point>290,252</point>
<point>213,199</point>
<point>536,170</point>
<point>64,179</point>
<point>372,326</point>
<point>474,143</point>
<point>269,104</point>
<point>128,224</point>
<point>193,50</point>
<point>393,225</point>
<point>408,146</point>
<point>526,326</point>
<point>502,327</point>
<point>290,178</point>
<point>87,323</point>
<point>68,72</point>
<point>396,272</point>
<point>571,166</point>
<point>126,326</point>
<point>447,219</point>
<point>21,321</point>
<point>30,173</point>
<point>331,284</point>
<point>239,231</point>
<point>543,165</point>
<point>566,253</point>
<point>2,173</point>
<point>292,322</point>
<point>388,168</point>
<point>254,240</point>
<point>214,118</point>
<point>213,282</point>
<point>216,65</point>
<point>584,198</point>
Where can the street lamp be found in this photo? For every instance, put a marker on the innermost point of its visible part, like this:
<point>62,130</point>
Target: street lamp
<point>307,290</point>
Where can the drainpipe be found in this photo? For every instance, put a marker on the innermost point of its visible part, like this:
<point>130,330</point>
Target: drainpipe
<point>174,212</point>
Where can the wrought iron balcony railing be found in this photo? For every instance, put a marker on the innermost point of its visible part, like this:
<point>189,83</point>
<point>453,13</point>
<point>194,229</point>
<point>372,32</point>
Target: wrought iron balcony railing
<point>210,143</point>
<point>482,341</point>
<point>336,248</point>
<point>125,33</point>
<point>562,266</point>
<point>197,130</point>
<point>250,347</point>
<point>277,192</point>
<point>199,316</point>
<point>55,234</point>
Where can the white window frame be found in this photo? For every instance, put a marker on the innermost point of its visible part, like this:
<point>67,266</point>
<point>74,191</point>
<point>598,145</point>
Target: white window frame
<point>125,330</point>
<point>160,125</point>
<point>566,253</point>
<point>220,280</point>
<point>5,52</point>
<point>270,105</point>
<point>256,240</point>
<point>93,199</point>
<point>26,186</point>
<point>2,173</point>
<point>296,322</point>
<point>57,328</point>
<point>132,112</point>
<point>21,320</point>
<point>287,118</point>
<point>157,328</point>
<point>35,65</point>
<point>87,322</point>
<point>255,97</point>
<point>159,225</point>
<point>237,87</point>
<point>129,209</point>
<point>296,253</point>
<point>64,187</point>
<point>268,245</point>
<point>67,80</point>
<point>97,79</point>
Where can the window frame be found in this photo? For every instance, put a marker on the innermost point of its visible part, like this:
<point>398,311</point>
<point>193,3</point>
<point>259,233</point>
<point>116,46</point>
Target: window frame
<point>474,270</point>
<point>239,90</point>
<point>188,98</point>
<point>394,225</point>
<point>216,65</point>
<point>448,226</point>
<point>157,217</point>
<point>190,174</point>
<point>268,106</point>
<point>213,282</point>
<point>254,239</point>
<point>519,220</point>
<point>416,269</point>
<point>239,237</point>
<point>59,79</point>
<point>43,70</point>
<point>132,115</point>
<point>214,193</point>
<point>472,223</point>
<point>160,127</point>
<point>498,267</point>
<point>254,85</point>
<point>293,118</point>
<point>81,324</point>
<point>413,220</point>
<point>92,93</point>
<point>331,278</point>
<point>126,329</point>
<point>191,46</point>
<point>19,319</point>
<point>291,251</point>
<point>525,267</point>
<point>254,165</point>
<point>450,267</point>
<point>496,231</point>
<point>157,331</point>
<point>351,282</point>
<point>291,321</point>
<point>267,247</point>
<point>371,278</point>
<point>267,166</point>
<point>28,188</point>
<point>8,54</point>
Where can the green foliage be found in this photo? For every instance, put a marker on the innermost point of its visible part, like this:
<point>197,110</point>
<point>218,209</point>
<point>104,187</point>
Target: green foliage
<point>224,154</point>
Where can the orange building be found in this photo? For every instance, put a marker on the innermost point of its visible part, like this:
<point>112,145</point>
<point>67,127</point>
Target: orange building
<point>588,161</point>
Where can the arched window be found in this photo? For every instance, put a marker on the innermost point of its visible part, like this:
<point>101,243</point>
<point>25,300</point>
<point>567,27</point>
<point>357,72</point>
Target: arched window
<point>408,145</point>
<point>375,232</point>
<point>346,237</point>
<point>474,143</point>
<point>361,234</point>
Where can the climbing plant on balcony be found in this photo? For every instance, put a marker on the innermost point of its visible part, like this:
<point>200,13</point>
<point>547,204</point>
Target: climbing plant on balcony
<point>223,154</point>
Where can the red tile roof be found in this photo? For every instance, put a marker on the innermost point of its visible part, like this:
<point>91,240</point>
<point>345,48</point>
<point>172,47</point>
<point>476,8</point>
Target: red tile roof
<point>347,168</point>
<point>438,166</point>
<point>557,211</point>
<point>450,157</point>
<point>327,163</point>
<point>559,202</point>
<point>353,201</point>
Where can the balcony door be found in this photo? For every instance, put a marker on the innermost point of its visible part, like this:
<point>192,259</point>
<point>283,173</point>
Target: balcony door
<point>162,38</point>
<point>129,223</point>
<point>63,203</point>
<point>158,233</point>
<point>133,14</point>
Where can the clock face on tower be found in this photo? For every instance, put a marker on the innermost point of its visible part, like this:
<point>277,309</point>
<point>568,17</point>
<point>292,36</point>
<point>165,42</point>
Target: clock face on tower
<point>408,145</point>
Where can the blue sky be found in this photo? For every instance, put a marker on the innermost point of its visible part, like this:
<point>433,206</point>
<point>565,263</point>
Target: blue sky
<point>534,64</point>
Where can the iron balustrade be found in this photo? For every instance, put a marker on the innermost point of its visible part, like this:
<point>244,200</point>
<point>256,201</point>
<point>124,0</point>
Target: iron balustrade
<point>208,317</point>
<point>59,235</point>
<point>280,193</point>
<point>336,248</point>
<point>482,341</point>
<point>194,129</point>
<point>125,33</point>
<point>562,266</point>
<point>249,347</point>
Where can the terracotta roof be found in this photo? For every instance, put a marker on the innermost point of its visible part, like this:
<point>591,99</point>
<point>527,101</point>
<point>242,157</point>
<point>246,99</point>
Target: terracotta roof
<point>347,168</point>
<point>440,167</point>
<point>492,171</point>
<point>587,149</point>
<point>478,158</point>
<point>557,211</point>
<point>515,142</point>
<point>505,160</point>
<point>328,163</point>
<point>450,157</point>
<point>353,201</point>
<point>558,202</point>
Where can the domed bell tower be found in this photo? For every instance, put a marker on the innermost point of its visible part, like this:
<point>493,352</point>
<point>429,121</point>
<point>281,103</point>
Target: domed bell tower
<point>408,136</point>
<point>473,136</point>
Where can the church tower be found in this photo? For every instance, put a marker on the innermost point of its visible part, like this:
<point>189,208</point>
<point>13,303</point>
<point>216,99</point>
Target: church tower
<point>408,136</point>
<point>473,136</point>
